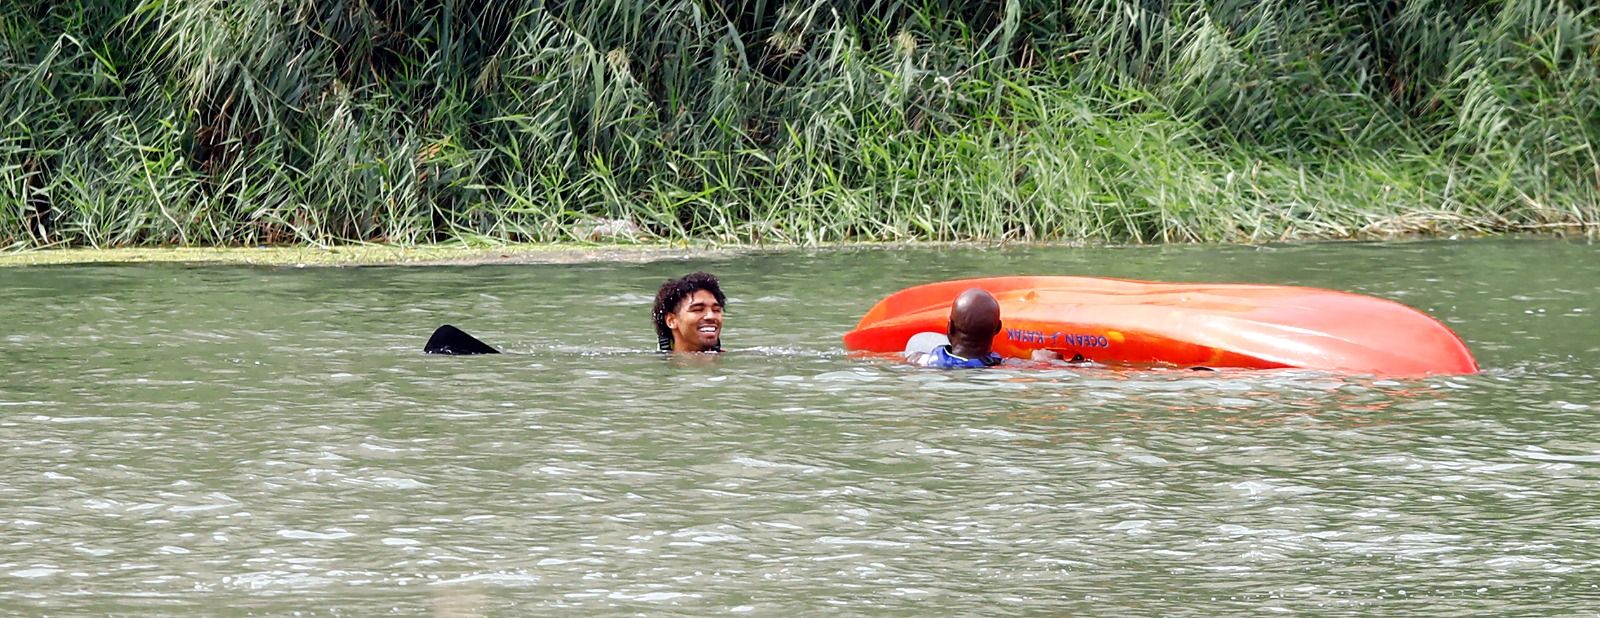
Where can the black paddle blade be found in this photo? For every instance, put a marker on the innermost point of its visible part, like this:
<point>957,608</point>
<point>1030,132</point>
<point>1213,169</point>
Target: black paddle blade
<point>451,340</point>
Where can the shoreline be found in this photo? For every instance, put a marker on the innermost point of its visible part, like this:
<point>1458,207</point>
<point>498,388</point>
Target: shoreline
<point>363,255</point>
<point>337,256</point>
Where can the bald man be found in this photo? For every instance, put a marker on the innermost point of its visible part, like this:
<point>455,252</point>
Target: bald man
<point>974,321</point>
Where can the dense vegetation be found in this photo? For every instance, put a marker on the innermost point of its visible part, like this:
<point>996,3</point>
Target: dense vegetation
<point>219,122</point>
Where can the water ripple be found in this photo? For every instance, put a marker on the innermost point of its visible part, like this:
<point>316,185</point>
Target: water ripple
<point>283,445</point>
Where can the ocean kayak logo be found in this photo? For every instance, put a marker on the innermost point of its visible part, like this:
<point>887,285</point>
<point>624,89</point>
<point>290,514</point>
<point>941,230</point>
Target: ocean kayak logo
<point>1058,339</point>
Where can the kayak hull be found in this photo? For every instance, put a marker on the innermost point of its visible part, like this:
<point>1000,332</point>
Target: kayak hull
<point>1120,321</point>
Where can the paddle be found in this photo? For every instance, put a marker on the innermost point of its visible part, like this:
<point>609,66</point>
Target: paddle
<point>448,339</point>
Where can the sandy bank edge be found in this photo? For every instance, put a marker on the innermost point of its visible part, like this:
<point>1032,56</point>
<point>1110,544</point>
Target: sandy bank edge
<point>466,255</point>
<point>421,255</point>
<point>366,255</point>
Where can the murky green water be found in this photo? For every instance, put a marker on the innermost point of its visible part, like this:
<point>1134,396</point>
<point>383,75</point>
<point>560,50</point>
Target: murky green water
<point>269,441</point>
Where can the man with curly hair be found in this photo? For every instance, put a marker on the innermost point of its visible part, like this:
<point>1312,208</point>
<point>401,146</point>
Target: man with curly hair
<point>688,314</point>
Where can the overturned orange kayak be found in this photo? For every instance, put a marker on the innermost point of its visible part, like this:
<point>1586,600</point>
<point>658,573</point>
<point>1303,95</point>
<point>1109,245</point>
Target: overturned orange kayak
<point>1120,321</point>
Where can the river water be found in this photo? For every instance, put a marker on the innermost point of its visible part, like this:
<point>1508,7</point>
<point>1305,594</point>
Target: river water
<point>271,441</point>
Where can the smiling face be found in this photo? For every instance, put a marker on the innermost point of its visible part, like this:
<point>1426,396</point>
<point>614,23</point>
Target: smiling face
<point>696,324</point>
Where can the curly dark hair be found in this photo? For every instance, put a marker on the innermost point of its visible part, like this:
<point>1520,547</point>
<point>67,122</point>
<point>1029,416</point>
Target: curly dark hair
<point>672,293</point>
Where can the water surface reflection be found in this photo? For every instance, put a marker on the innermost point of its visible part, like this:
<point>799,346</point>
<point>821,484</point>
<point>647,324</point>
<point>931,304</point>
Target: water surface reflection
<point>270,440</point>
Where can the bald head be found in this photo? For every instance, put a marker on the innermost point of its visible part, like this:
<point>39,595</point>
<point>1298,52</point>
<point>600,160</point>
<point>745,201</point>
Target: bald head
<point>974,321</point>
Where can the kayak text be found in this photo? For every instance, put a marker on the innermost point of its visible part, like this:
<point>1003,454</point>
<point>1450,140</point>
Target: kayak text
<point>1058,338</point>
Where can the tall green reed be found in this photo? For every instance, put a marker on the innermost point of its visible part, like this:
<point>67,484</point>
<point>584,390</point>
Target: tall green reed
<point>327,121</point>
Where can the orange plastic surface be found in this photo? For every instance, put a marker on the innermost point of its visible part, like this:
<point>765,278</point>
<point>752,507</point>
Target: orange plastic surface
<point>1119,321</point>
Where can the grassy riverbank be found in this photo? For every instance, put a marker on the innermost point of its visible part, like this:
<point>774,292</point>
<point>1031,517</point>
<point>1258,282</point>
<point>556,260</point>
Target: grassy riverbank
<point>315,123</point>
<point>365,255</point>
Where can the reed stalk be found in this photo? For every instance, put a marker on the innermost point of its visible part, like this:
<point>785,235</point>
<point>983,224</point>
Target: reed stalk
<point>244,122</point>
